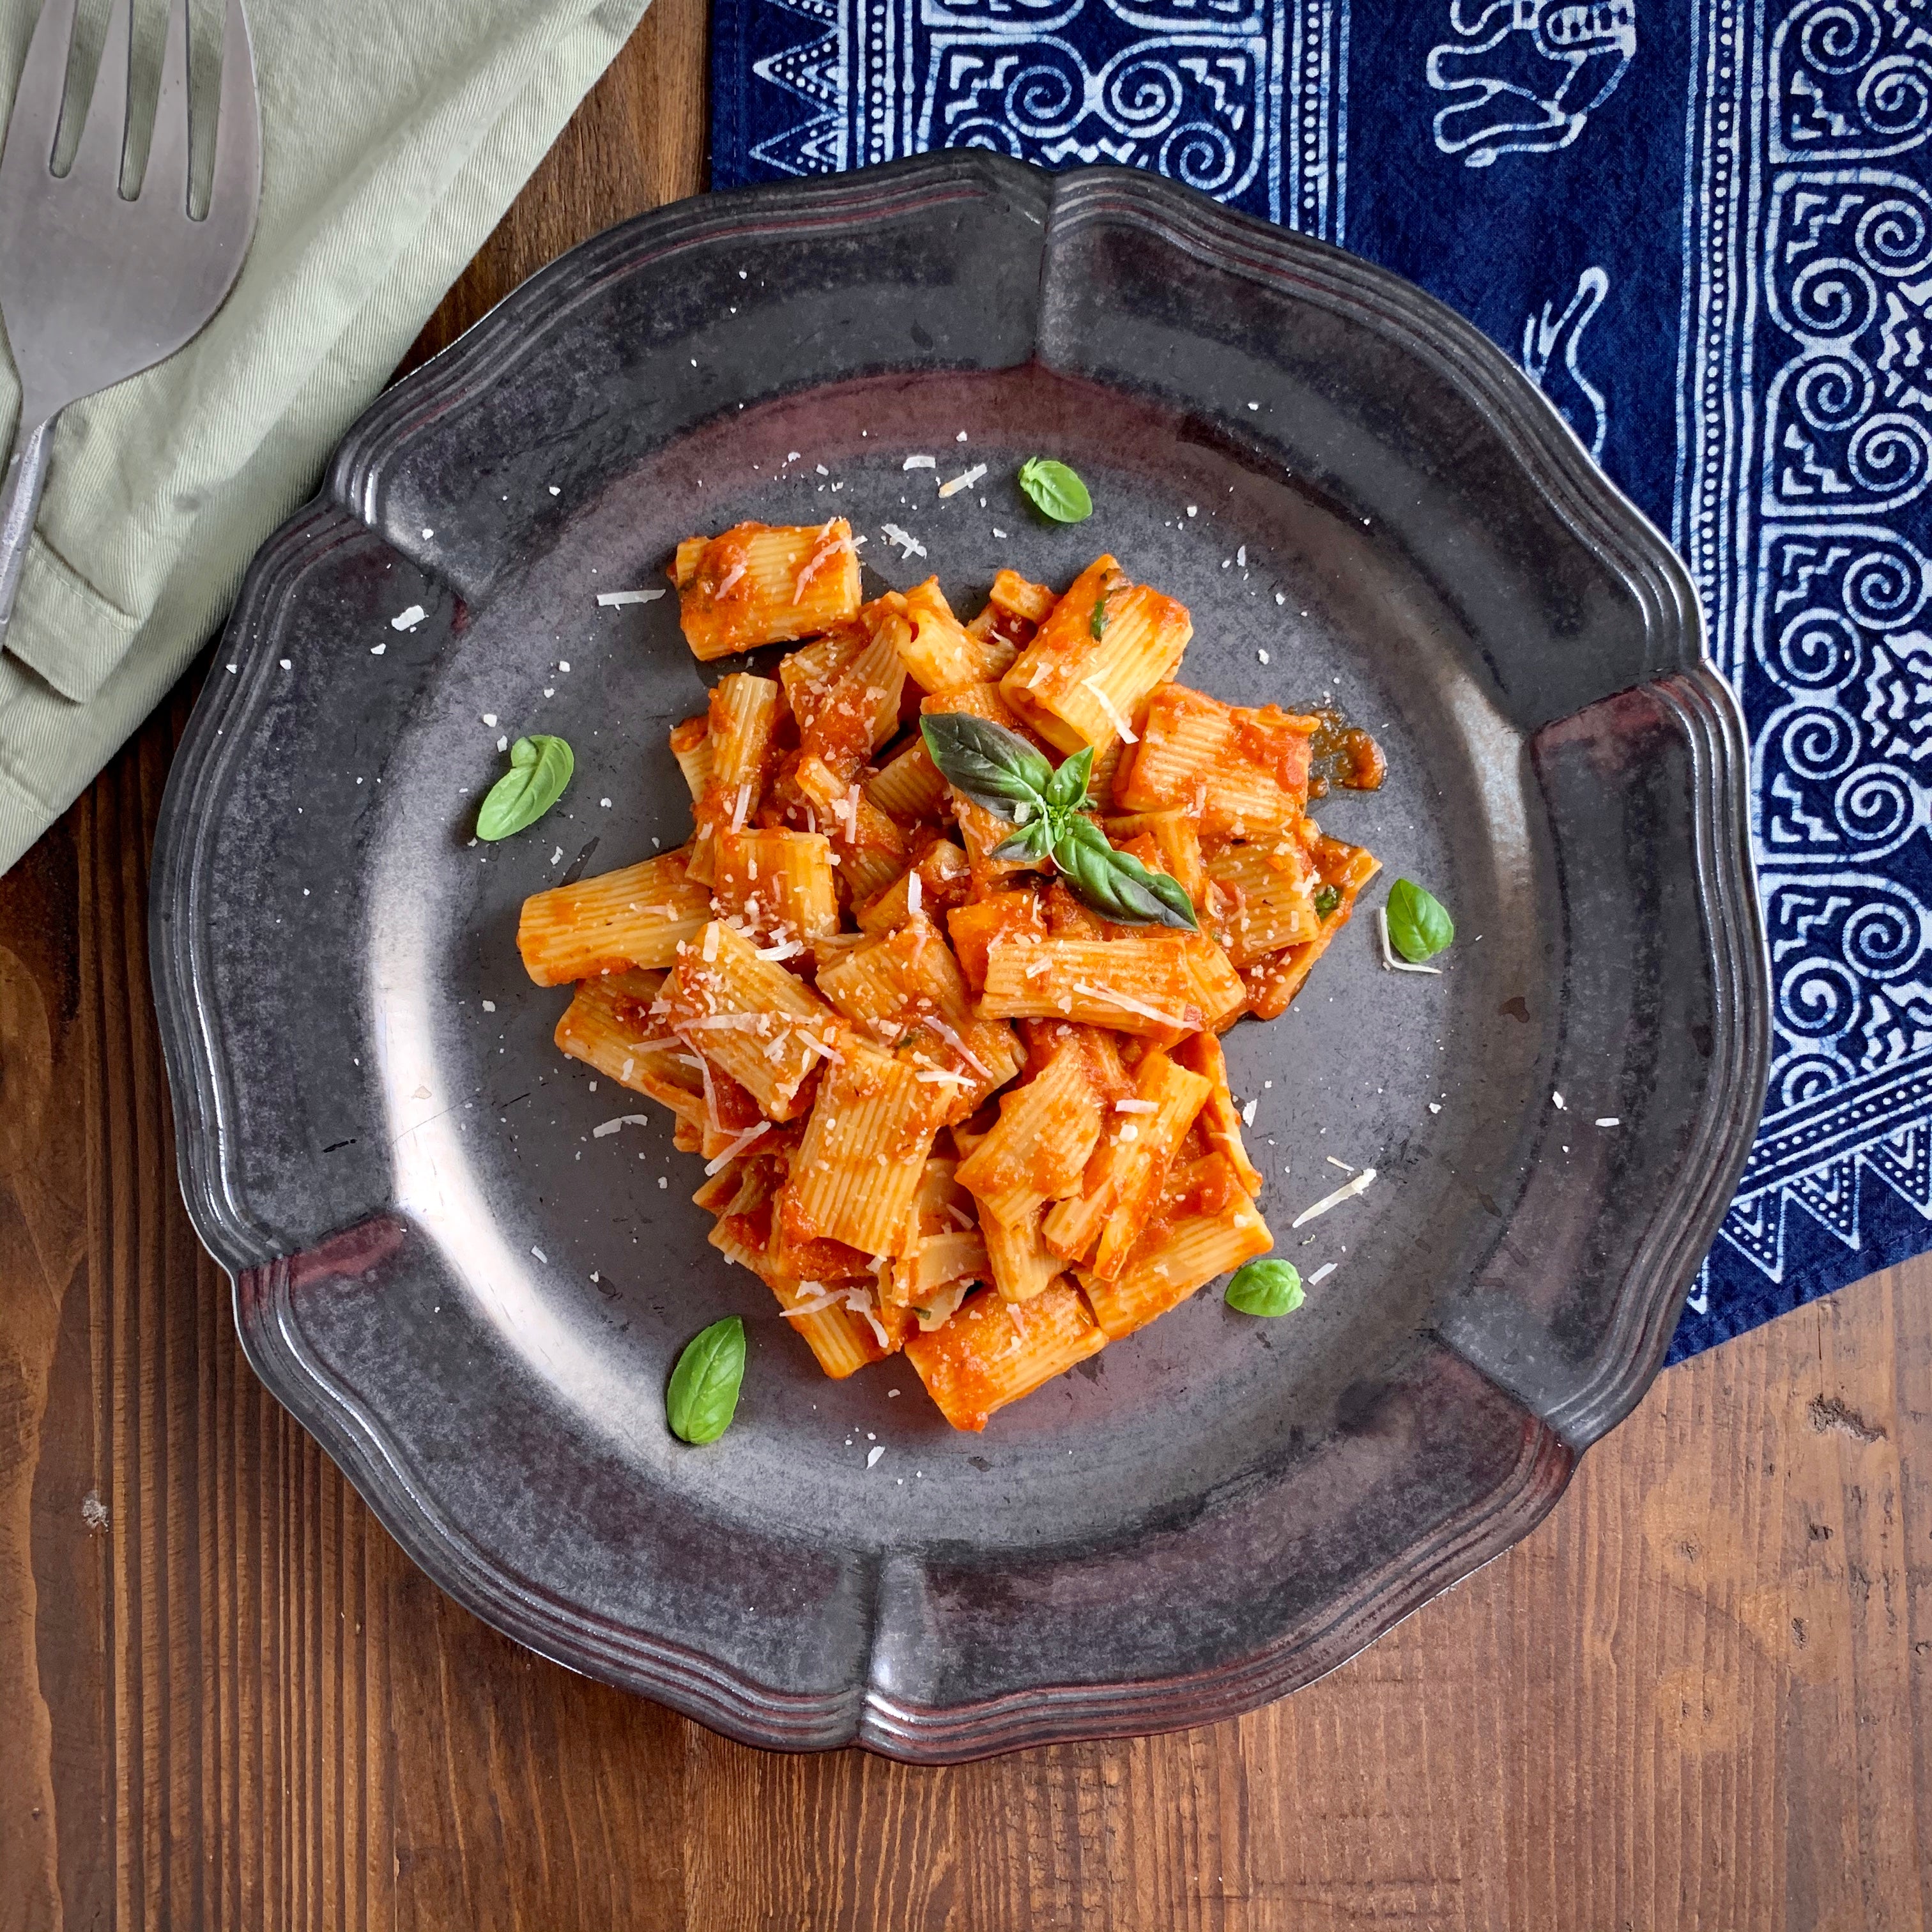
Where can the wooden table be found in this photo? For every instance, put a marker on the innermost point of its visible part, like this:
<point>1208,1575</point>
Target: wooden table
<point>1698,1697</point>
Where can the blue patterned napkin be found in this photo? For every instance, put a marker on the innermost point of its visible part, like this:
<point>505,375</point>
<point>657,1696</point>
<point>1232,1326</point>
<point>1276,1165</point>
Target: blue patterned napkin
<point>1706,230</point>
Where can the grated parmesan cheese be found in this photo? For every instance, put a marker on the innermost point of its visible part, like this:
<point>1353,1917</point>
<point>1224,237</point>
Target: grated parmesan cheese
<point>964,480</point>
<point>1135,1107</point>
<point>612,599</point>
<point>737,1147</point>
<point>959,1045</point>
<point>1321,1273</point>
<point>1128,1004</point>
<point>859,1300</point>
<point>604,1127</point>
<point>920,462</point>
<point>1113,717</point>
<point>909,543</point>
<point>409,619</point>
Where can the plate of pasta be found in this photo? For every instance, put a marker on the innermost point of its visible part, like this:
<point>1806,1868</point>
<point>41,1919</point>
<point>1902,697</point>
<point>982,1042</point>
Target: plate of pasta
<point>960,957</point>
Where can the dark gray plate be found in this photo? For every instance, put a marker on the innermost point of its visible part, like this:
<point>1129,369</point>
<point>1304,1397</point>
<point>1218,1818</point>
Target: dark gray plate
<point>473,1300</point>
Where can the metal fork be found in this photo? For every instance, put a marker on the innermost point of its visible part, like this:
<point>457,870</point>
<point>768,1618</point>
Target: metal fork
<point>95,288</point>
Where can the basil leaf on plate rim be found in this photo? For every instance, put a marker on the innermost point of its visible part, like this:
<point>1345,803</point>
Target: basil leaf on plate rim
<point>540,768</point>
<point>703,1396</point>
<point>1266,1287</point>
<point>1419,924</point>
<point>1055,491</point>
<point>1000,770</point>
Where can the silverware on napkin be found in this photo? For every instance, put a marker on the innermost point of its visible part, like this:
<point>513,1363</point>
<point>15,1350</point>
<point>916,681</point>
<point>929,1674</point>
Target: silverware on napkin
<point>95,287</point>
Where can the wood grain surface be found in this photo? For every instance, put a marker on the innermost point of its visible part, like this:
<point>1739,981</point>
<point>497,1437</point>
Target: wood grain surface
<point>1697,1697</point>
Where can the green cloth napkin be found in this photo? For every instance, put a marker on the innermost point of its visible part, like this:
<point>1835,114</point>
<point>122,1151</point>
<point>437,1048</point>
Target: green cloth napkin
<point>394,134</point>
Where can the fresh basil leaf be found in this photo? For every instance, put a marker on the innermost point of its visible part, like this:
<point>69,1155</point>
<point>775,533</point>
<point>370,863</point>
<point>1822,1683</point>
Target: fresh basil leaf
<point>1028,846</point>
<point>540,768</point>
<point>1066,789</point>
<point>703,1394</point>
<point>994,767</point>
<point>1055,491</point>
<point>1097,624</point>
<point>1116,884</point>
<point>1326,898</point>
<point>1266,1287</point>
<point>1419,925</point>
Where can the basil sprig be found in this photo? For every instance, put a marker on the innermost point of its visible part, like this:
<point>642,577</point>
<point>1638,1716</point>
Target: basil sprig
<point>1055,491</point>
<point>1419,924</point>
<point>1266,1287</point>
<point>540,768</point>
<point>703,1394</point>
<point>1002,772</point>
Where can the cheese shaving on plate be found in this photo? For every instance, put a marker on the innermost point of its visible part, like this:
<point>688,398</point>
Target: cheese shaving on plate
<point>1347,1191</point>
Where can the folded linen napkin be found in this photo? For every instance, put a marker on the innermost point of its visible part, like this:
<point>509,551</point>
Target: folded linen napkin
<point>394,137</point>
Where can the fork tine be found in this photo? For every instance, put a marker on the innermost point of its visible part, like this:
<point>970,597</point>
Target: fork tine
<point>236,188</point>
<point>35,123</point>
<point>168,152</point>
<point>97,161</point>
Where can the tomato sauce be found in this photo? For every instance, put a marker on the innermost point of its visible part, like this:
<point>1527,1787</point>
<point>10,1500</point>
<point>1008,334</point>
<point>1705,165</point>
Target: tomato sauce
<point>1341,753</point>
<point>1273,741</point>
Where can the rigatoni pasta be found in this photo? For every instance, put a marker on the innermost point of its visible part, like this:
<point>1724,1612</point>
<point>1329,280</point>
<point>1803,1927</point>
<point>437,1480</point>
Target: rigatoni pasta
<point>637,917</point>
<point>1107,643</point>
<point>760,583</point>
<point>948,1107</point>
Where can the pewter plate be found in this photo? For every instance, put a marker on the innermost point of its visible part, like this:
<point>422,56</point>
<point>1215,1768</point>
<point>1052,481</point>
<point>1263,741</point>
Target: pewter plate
<point>473,1299</point>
